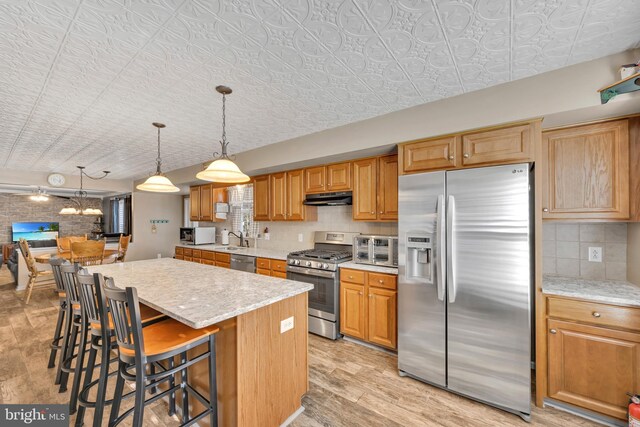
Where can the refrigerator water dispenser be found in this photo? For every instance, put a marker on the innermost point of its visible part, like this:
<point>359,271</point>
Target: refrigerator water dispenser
<point>419,258</point>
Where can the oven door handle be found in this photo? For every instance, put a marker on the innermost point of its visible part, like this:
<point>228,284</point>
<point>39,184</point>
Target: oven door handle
<point>311,272</point>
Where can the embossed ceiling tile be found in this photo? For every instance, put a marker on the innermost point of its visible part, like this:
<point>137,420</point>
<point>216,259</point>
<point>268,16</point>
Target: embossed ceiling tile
<point>274,13</point>
<point>153,11</point>
<point>123,25</point>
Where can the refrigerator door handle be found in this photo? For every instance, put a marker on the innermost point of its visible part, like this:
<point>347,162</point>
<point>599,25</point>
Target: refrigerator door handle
<point>451,249</point>
<point>441,266</point>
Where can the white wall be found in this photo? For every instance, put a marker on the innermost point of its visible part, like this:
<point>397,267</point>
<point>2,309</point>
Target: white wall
<point>148,206</point>
<point>633,253</point>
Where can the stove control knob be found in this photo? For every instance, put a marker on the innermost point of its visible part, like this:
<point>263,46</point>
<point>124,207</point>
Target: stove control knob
<point>297,262</point>
<point>325,266</point>
<point>308,263</point>
<point>292,261</point>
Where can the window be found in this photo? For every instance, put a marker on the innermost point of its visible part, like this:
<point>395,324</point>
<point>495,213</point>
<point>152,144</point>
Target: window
<point>119,218</point>
<point>241,209</point>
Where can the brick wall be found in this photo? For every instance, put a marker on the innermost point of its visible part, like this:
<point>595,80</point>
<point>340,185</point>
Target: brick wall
<point>22,209</point>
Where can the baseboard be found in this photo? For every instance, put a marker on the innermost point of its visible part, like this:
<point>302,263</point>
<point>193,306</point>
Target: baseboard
<point>369,345</point>
<point>292,417</point>
<point>585,413</point>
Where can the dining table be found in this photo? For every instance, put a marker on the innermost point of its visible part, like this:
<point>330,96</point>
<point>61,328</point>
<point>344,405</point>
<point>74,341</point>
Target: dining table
<point>45,258</point>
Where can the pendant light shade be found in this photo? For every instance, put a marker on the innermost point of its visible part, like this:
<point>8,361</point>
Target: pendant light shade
<point>77,203</point>
<point>158,183</point>
<point>68,210</point>
<point>223,169</point>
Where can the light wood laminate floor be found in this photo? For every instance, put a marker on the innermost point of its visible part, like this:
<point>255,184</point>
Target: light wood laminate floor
<point>350,385</point>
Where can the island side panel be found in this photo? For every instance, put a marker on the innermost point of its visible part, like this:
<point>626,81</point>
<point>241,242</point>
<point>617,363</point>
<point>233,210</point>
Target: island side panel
<point>273,369</point>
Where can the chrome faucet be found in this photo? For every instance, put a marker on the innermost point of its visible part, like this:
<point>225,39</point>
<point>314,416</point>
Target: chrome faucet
<point>243,241</point>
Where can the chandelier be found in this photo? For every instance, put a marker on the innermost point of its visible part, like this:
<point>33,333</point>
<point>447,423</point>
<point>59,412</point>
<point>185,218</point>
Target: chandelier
<point>223,169</point>
<point>78,203</point>
<point>158,183</point>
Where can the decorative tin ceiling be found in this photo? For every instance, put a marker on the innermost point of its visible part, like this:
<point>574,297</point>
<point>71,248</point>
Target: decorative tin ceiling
<point>81,81</point>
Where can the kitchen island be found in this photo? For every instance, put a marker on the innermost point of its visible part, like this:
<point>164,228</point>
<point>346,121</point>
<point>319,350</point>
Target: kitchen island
<point>262,362</point>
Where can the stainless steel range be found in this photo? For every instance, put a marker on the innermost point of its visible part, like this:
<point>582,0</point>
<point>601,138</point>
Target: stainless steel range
<point>319,266</point>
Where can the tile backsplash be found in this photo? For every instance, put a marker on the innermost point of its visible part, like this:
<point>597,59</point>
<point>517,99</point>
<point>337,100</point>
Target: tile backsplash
<point>566,250</point>
<point>284,235</point>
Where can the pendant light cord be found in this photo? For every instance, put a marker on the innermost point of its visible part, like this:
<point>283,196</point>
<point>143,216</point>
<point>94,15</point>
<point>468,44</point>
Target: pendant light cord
<point>223,143</point>
<point>158,159</point>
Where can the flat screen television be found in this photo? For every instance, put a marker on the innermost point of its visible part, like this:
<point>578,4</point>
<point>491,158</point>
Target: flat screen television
<point>34,231</point>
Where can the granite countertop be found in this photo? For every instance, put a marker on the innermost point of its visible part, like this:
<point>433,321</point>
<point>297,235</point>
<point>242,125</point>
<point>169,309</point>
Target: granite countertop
<point>196,294</point>
<point>595,290</point>
<point>256,252</point>
<point>367,267</point>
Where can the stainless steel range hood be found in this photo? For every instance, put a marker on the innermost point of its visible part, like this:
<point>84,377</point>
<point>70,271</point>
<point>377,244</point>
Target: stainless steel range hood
<point>329,199</point>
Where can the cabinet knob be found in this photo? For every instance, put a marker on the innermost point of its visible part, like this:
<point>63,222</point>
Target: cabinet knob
<point>595,314</point>
<point>380,211</point>
<point>553,331</point>
<point>372,212</point>
<point>451,157</point>
<point>466,155</point>
<point>545,209</point>
<point>380,281</point>
<point>370,296</point>
<point>360,293</point>
<point>329,185</point>
<point>350,277</point>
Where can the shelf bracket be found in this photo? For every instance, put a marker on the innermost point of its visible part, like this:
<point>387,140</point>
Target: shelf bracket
<point>630,84</point>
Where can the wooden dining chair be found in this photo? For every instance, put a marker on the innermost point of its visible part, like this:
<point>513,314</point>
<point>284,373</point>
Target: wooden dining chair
<point>90,252</point>
<point>123,245</point>
<point>34,273</point>
<point>64,243</point>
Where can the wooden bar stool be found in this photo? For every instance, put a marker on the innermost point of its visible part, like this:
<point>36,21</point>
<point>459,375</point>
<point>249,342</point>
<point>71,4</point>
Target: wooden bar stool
<point>60,334</point>
<point>34,272</point>
<point>159,342</point>
<point>74,319</point>
<point>96,314</point>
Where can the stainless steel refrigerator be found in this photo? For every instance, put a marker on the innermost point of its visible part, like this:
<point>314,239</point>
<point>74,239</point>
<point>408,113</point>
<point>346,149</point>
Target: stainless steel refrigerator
<point>465,282</point>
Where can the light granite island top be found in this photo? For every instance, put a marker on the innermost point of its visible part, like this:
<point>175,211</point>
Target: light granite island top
<point>615,292</point>
<point>261,347</point>
<point>196,294</point>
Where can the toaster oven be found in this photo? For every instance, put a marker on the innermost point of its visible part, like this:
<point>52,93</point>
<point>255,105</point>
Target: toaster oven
<point>376,250</point>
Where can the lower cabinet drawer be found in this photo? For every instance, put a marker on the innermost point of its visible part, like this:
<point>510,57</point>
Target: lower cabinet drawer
<point>280,274</point>
<point>279,265</point>
<point>264,271</point>
<point>208,262</point>
<point>208,255</point>
<point>188,258</point>
<point>179,251</point>
<point>385,281</point>
<point>224,258</point>
<point>595,313</point>
<point>196,253</point>
<point>187,252</point>
<point>263,263</point>
<point>223,264</point>
<point>179,257</point>
<point>352,276</point>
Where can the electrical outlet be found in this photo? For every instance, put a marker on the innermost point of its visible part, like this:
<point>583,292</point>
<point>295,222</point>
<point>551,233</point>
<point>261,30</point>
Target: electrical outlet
<point>286,325</point>
<point>300,237</point>
<point>267,236</point>
<point>159,255</point>
<point>595,254</point>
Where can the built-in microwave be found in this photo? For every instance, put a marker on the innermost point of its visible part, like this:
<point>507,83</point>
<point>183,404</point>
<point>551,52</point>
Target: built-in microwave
<point>197,235</point>
<point>376,250</point>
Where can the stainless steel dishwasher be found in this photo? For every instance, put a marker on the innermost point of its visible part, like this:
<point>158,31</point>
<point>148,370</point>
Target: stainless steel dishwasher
<point>243,263</point>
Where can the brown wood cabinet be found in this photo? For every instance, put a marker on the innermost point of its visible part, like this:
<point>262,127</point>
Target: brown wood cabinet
<point>261,197</point>
<point>484,147</point>
<point>593,354</point>
<point>280,197</point>
<point>218,259</point>
<point>271,267</point>
<point>368,306</point>
<point>586,172</point>
<point>202,200</point>
<point>334,177</point>
<point>375,189</point>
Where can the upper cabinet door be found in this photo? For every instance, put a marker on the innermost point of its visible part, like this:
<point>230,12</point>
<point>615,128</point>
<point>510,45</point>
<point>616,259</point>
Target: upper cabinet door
<point>261,198</point>
<point>194,203</point>
<point>295,188</point>
<point>365,189</point>
<point>388,188</point>
<point>586,172</point>
<point>498,146</point>
<point>339,177</point>
<point>206,203</point>
<point>278,196</point>
<point>433,154</point>
<point>314,180</point>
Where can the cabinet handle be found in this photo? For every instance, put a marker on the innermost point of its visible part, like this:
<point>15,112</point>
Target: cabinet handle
<point>553,331</point>
<point>545,209</point>
<point>595,314</point>
<point>451,157</point>
<point>466,155</point>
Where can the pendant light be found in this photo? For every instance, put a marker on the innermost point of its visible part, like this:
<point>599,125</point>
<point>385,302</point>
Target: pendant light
<point>158,183</point>
<point>223,169</point>
<point>78,203</point>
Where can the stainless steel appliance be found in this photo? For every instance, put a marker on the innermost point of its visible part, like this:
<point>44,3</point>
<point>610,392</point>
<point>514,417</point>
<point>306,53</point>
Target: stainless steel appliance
<point>340,198</point>
<point>465,282</point>
<point>243,263</point>
<point>376,250</point>
<point>197,235</point>
<point>319,266</point>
